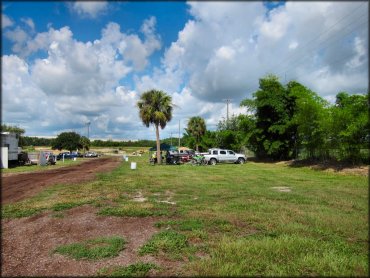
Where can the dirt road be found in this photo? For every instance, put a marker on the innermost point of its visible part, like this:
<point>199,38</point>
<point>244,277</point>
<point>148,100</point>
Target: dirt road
<point>17,187</point>
<point>28,242</point>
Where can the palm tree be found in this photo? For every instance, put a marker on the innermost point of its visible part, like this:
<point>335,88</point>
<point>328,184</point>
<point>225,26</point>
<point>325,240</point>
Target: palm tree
<point>197,128</point>
<point>155,107</point>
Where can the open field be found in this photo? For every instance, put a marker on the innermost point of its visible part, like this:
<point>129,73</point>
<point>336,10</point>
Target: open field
<point>251,219</point>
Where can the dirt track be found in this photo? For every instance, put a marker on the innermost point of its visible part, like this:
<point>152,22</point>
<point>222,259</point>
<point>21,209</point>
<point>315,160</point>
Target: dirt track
<point>33,255</point>
<point>16,187</point>
<point>28,242</point>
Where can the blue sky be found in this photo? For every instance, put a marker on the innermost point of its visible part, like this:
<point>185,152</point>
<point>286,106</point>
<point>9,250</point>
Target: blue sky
<point>67,63</point>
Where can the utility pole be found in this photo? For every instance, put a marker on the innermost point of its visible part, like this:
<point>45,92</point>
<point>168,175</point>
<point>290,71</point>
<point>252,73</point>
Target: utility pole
<point>179,133</point>
<point>88,130</point>
<point>227,111</point>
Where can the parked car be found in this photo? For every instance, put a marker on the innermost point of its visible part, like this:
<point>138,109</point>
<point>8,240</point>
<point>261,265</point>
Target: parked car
<point>67,155</point>
<point>77,154</point>
<point>186,155</point>
<point>215,156</point>
<point>172,157</point>
<point>91,154</point>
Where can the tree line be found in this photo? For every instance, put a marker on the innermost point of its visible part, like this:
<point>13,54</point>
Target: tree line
<point>291,121</point>
<point>38,141</point>
<point>282,122</point>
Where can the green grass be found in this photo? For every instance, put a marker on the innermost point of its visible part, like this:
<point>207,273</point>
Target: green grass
<point>232,218</point>
<point>169,242</point>
<point>134,270</point>
<point>137,210</point>
<point>277,256</point>
<point>18,211</point>
<point>68,205</point>
<point>93,249</point>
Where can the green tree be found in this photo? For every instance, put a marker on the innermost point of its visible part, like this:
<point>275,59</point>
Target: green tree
<point>275,132</point>
<point>209,140</point>
<point>235,133</point>
<point>311,118</point>
<point>67,140</point>
<point>350,127</point>
<point>196,128</point>
<point>85,143</point>
<point>155,107</point>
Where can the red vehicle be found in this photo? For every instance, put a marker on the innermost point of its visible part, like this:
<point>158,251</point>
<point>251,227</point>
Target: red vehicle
<point>186,155</point>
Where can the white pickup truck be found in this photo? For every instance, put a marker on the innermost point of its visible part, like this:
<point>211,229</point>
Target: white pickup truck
<point>215,156</point>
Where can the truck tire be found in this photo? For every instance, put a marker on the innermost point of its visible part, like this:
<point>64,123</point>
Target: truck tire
<point>213,161</point>
<point>241,160</point>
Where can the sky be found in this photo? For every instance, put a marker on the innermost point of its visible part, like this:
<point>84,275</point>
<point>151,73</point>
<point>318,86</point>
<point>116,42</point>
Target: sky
<point>65,64</point>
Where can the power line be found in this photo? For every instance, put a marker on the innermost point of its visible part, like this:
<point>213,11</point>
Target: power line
<point>325,45</point>
<point>309,42</point>
<point>309,55</point>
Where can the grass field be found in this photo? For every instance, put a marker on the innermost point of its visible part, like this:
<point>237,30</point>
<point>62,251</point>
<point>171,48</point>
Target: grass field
<point>252,219</point>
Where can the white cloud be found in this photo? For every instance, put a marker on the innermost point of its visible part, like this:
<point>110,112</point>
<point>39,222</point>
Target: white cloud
<point>360,57</point>
<point>19,37</point>
<point>88,8</point>
<point>76,82</point>
<point>224,50</point>
<point>277,26</point>
<point>221,52</point>
<point>227,47</point>
<point>29,22</point>
<point>6,21</point>
<point>22,99</point>
<point>293,45</point>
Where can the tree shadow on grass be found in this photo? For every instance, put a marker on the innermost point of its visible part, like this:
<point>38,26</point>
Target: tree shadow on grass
<point>317,164</point>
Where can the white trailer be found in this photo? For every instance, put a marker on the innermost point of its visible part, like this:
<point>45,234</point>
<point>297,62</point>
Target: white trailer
<point>9,142</point>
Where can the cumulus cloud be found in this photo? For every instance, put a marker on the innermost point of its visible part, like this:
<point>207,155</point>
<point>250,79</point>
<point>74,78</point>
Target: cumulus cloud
<point>29,23</point>
<point>19,37</point>
<point>221,52</point>
<point>22,98</point>
<point>89,9</point>
<point>227,47</point>
<point>76,81</point>
<point>6,21</point>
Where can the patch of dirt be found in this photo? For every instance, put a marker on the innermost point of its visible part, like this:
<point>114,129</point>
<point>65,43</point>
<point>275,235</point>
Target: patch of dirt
<point>28,243</point>
<point>139,198</point>
<point>17,187</point>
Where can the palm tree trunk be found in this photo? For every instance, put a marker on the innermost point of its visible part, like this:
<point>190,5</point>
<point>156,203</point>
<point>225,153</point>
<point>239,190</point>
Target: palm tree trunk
<point>159,157</point>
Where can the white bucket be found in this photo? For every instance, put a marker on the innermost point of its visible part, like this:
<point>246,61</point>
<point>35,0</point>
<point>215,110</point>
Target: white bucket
<point>74,158</point>
<point>133,165</point>
<point>126,158</point>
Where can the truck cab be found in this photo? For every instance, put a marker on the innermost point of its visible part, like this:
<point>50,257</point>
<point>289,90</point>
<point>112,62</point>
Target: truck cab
<point>216,155</point>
